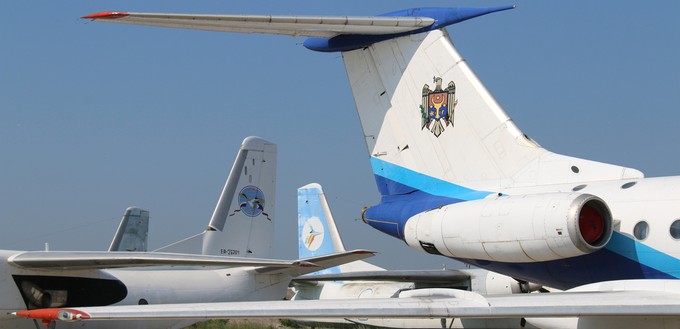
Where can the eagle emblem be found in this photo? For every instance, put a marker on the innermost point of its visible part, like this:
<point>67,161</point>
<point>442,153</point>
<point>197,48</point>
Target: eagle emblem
<point>438,106</point>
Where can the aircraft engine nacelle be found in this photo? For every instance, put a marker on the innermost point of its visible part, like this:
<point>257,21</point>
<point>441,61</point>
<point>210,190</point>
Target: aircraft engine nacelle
<point>522,228</point>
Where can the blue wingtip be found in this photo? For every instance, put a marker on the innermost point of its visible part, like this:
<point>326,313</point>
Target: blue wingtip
<point>448,16</point>
<point>452,16</point>
<point>443,17</point>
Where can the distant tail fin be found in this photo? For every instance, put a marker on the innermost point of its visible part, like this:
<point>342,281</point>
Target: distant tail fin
<point>133,231</point>
<point>427,119</point>
<point>242,223</point>
<point>317,233</point>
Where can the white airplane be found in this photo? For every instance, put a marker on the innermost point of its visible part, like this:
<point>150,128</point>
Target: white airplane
<point>318,235</point>
<point>207,270</point>
<point>459,179</point>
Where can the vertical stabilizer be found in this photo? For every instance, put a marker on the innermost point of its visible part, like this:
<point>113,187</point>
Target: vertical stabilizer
<point>243,221</point>
<point>133,231</point>
<point>317,233</point>
<point>429,122</point>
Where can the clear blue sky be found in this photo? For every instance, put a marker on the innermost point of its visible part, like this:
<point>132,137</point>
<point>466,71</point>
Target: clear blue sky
<point>96,117</point>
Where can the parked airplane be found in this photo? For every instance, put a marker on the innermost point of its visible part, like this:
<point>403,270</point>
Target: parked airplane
<point>458,178</point>
<point>318,235</point>
<point>208,270</point>
<point>472,164</point>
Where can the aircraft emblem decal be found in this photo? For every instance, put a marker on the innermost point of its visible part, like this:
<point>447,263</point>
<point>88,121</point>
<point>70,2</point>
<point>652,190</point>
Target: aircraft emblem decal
<point>438,105</point>
<point>313,234</point>
<point>251,202</point>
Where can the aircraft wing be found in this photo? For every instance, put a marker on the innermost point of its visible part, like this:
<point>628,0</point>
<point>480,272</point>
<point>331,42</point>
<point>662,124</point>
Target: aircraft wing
<point>99,260</point>
<point>421,303</point>
<point>308,26</point>
<point>425,276</point>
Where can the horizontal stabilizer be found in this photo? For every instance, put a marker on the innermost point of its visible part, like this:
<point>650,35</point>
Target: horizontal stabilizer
<point>70,260</point>
<point>327,261</point>
<point>307,26</point>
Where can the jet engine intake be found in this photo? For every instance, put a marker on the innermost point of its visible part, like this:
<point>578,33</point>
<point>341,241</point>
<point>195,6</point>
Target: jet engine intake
<point>518,228</point>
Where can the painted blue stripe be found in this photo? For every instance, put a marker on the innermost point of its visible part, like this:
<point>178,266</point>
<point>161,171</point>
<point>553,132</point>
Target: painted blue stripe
<point>391,214</point>
<point>406,193</point>
<point>644,254</point>
<point>422,182</point>
<point>622,259</point>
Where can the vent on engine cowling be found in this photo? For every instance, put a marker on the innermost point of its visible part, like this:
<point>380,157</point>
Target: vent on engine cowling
<point>429,248</point>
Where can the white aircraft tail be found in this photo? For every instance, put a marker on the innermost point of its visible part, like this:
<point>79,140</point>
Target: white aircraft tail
<point>427,118</point>
<point>133,231</point>
<point>425,115</point>
<point>317,233</point>
<point>242,223</point>
<point>434,133</point>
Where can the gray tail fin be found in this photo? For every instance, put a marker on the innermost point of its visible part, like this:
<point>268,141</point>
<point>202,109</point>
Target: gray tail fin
<point>133,231</point>
<point>243,221</point>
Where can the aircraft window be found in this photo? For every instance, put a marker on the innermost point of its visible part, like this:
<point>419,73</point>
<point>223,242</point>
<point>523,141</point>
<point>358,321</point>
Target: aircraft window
<point>641,230</point>
<point>579,187</point>
<point>675,229</point>
<point>628,185</point>
<point>575,169</point>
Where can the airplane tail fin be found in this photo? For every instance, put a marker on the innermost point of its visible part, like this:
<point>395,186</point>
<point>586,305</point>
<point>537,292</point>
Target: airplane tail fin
<point>243,221</point>
<point>317,233</point>
<point>426,117</point>
<point>133,231</point>
<point>427,120</point>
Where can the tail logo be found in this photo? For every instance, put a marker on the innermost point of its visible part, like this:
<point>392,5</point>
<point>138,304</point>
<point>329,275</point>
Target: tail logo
<point>251,202</point>
<point>313,234</point>
<point>438,106</point>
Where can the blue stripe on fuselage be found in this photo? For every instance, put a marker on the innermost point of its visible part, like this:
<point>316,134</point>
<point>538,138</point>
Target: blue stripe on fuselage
<point>622,258</point>
<point>396,180</point>
<point>406,193</point>
<point>391,214</point>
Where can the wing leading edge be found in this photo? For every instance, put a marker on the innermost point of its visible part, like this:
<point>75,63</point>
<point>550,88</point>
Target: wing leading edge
<point>423,303</point>
<point>72,260</point>
<point>307,26</point>
<point>98,260</point>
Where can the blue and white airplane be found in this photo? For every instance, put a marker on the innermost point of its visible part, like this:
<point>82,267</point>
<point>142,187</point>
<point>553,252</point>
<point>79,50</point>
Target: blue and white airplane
<point>458,178</point>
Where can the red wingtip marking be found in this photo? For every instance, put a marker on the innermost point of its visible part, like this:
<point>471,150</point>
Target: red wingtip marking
<point>41,314</point>
<point>106,15</point>
<point>50,314</point>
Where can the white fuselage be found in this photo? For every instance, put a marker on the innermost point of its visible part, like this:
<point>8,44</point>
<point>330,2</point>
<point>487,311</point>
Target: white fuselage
<point>135,286</point>
<point>645,243</point>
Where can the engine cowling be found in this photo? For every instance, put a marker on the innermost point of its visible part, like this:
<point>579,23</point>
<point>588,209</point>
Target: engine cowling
<point>521,228</point>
